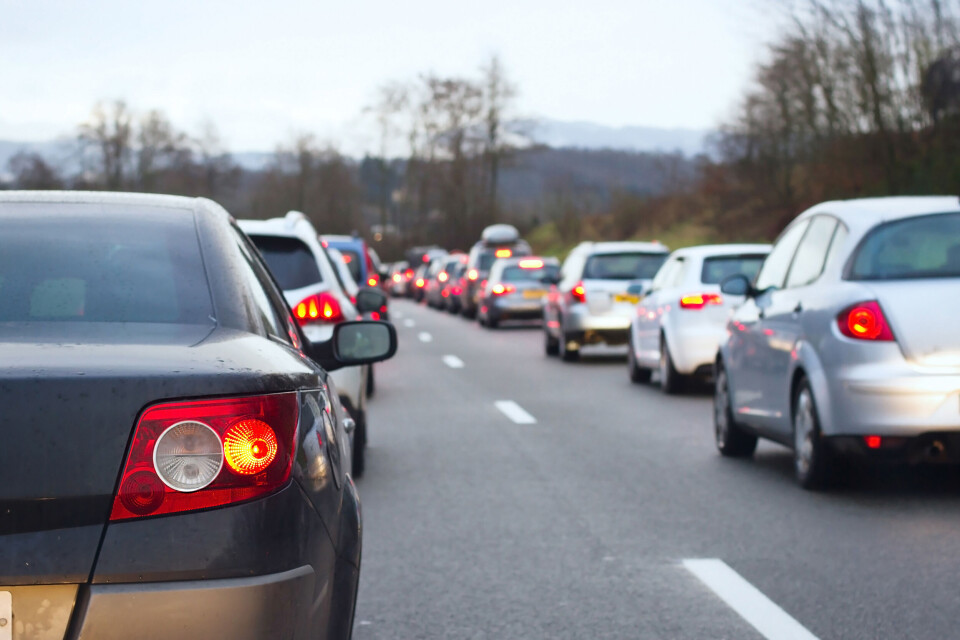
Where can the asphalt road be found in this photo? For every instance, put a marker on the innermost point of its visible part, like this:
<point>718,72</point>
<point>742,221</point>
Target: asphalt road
<point>579,525</point>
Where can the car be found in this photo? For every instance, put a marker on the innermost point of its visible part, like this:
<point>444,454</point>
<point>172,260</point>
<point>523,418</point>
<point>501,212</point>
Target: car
<point>440,281</point>
<point>359,258</point>
<point>342,272</point>
<point>515,289</point>
<point>311,286</point>
<point>496,241</point>
<point>419,281</point>
<point>431,279</point>
<point>678,325</point>
<point>174,462</point>
<point>454,287</point>
<point>398,277</point>
<point>845,344</point>
<point>595,296</point>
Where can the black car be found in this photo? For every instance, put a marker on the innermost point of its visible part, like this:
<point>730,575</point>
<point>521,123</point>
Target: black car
<point>172,462</point>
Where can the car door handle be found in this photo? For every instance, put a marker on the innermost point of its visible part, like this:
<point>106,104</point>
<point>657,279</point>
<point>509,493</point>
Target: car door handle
<point>760,314</point>
<point>797,310</point>
<point>349,425</point>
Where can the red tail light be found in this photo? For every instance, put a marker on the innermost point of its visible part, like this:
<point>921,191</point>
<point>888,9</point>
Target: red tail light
<point>442,276</point>
<point>578,293</point>
<point>502,289</point>
<point>396,277</point>
<point>320,307</point>
<point>457,291</point>
<point>207,453</point>
<point>373,281</point>
<point>420,283</point>
<point>408,274</point>
<point>865,321</point>
<point>504,253</point>
<point>700,300</point>
<point>473,274</point>
<point>873,442</point>
<point>445,293</point>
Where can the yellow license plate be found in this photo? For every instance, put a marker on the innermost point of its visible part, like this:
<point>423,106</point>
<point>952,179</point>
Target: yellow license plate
<point>624,297</point>
<point>534,293</point>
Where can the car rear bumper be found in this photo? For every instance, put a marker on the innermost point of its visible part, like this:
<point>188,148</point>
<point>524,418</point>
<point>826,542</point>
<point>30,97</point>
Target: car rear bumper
<point>272,606</point>
<point>520,308</point>
<point>873,399</point>
<point>693,348</point>
<point>579,318</point>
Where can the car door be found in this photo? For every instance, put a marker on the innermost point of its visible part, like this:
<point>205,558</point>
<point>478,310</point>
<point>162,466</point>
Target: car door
<point>651,309</point>
<point>748,360</point>
<point>782,319</point>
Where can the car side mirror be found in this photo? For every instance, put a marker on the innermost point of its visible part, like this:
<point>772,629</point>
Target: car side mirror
<point>370,300</point>
<point>640,289</point>
<point>737,285</point>
<point>355,343</point>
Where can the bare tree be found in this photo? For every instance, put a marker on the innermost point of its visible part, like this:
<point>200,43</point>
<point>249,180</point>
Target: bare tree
<point>109,133</point>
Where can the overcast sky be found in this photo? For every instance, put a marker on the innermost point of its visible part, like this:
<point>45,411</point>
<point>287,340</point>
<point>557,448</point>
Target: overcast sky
<point>263,71</point>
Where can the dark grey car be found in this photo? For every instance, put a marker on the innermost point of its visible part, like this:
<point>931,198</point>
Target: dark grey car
<point>173,464</point>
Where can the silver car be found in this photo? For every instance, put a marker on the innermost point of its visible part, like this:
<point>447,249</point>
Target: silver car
<point>678,325</point>
<point>847,341</point>
<point>515,289</point>
<point>594,297</point>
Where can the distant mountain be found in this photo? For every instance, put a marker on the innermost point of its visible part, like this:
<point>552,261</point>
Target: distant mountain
<point>588,135</point>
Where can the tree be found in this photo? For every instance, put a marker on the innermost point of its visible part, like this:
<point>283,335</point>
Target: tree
<point>109,137</point>
<point>31,171</point>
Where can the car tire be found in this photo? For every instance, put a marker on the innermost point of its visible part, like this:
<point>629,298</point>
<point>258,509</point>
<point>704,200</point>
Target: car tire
<point>813,461</point>
<point>469,314</point>
<point>359,444</point>
<point>371,382</point>
<point>671,382</point>
<point>637,373</point>
<point>492,322</point>
<point>551,346</point>
<point>566,354</point>
<point>731,438</point>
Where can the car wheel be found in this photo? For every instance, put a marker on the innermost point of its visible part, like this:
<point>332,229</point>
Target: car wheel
<point>637,373</point>
<point>811,456</point>
<point>492,323</point>
<point>567,354</point>
<point>359,444</point>
<point>732,440</point>
<point>671,382</point>
<point>371,383</point>
<point>551,346</point>
<point>469,314</point>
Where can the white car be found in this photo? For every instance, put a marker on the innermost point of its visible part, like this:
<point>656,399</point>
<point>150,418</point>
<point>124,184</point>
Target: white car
<point>679,324</point>
<point>291,248</point>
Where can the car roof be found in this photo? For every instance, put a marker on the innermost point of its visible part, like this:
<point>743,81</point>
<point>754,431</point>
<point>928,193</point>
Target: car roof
<point>547,260</point>
<point>621,247</point>
<point>708,250</point>
<point>341,239</point>
<point>292,225</point>
<point>197,205</point>
<point>868,212</point>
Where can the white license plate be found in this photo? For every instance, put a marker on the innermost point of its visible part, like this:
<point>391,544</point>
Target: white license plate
<point>6,615</point>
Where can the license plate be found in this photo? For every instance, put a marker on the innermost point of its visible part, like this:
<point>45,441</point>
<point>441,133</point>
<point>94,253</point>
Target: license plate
<point>625,297</point>
<point>6,615</point>
<point>534,294</point>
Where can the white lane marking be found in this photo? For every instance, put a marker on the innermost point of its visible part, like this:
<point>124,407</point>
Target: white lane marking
<point>760,611</point>
<point>409,322</point>
<point>453,362</point>
<point>425,337</point>
<point>515,412</point>
<point>398,314</point>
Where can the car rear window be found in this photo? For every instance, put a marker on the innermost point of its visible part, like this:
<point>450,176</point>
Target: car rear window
<point>623,266</point>
<point>718,268</point>
<point>290,260</point>
<point>489,256</point>
<point>352,258</point>
<point>138,267</point>
<point>519,274</point>
<point>921,247</point>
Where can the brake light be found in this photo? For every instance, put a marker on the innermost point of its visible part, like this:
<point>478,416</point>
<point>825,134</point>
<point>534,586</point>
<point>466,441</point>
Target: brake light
<point>347,259</point>
<point>873,442</point>
<point>374,315</point>
<point>320,307</point>
<point>420,283</point>
<point>502,290</point>
<point>865,321</point>
<point>578,293</point>
<point>396,277</point>
<point>442,276</point>
<point>408,274</point>
<point>373,281</point>
<point>457,291</point>
<point>531,264</point>
<point>426,257</point>
<point>504,253</point>
<point>700,300</point>
<point>472,275</point>
<point>207,453</point>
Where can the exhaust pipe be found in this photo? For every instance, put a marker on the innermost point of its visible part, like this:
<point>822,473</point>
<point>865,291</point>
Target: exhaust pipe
<point>936,450</point>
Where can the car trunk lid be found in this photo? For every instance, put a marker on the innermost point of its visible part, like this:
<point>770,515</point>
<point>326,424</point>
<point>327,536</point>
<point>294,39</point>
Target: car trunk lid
<point>921,314</point>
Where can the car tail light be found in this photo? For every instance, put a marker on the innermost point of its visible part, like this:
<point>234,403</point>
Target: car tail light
<point>320,307</point>
<point>426,257</point>
<point>207,453</point>
<point>873,442</point>
<point>531,264</point>
<point>442,276</point>
<point>373,281</point>
<point>502,289</point>
<point>374,315</point>
<point>396,277</point>
<point>408,274</point>
<point>578,293</point>
<point>700,300</point>
<point>504,253</point>
<point>347,259</point>
<point>865,321</point>
<point>420,283</point>
<point>456,291</point>
<point>472,275</point>
<point>445,293</point>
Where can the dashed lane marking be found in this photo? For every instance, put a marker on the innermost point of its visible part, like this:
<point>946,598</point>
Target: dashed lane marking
<point>515,412</point>
<point>761,612</point>
<point>409,322</point>
<point>453,362</point>
<point>425,337</point>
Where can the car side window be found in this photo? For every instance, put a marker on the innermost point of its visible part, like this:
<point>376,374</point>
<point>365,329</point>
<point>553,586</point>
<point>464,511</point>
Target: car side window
<point>774,271</point>
<point>663,275</point>
<point>676,278</point>
<point>250,266</point>
<point>836,244</point>
<point>812,252</point>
